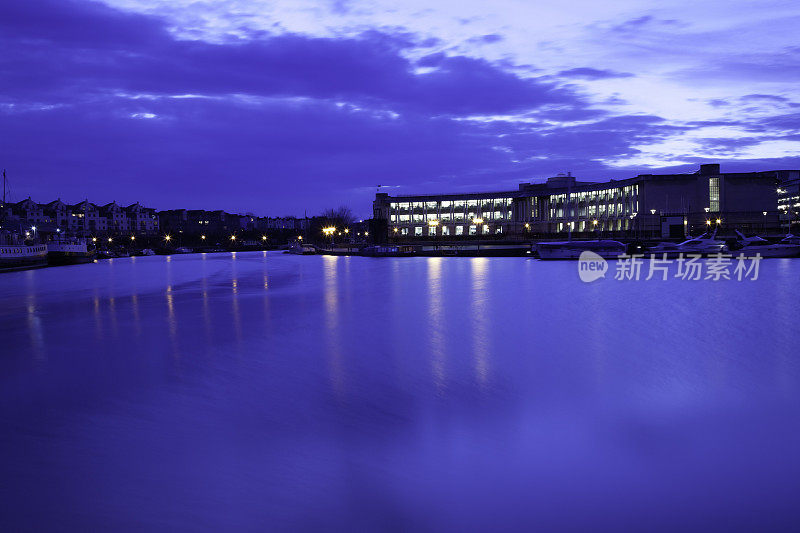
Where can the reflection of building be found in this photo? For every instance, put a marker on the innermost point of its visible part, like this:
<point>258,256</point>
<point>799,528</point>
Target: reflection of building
<point>649,205</point>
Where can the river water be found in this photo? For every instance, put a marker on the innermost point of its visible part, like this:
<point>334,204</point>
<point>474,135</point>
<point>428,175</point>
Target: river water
<point>271,392</point>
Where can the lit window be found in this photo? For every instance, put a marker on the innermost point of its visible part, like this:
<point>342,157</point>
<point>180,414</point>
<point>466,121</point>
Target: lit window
<point>473,230</point>
<point>713,194</point>
<point>432,231</point>
<point>445,230</point>
<point>486,229</point>
<point>459,230</point>
<point>417,231</point>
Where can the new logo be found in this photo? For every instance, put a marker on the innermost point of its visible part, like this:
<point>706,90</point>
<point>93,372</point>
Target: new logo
<point>591,266</point>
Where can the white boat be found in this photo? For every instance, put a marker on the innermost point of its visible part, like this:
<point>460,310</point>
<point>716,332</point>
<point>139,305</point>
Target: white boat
<point>69,252</point>
<point>183,250</point>
<point>605,248</point>
<point>14,256</point>
<point>755,245</point>
<point>148,251</point>
<point>703,245</point>
<point>301,249</point>
<point>791,239</point>
<point>17,251</point>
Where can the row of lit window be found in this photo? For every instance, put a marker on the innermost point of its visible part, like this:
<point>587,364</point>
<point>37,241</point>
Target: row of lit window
<point>469,215</point>
<point>433,231</point>
<point>596,210</point>
<point>447,204</point>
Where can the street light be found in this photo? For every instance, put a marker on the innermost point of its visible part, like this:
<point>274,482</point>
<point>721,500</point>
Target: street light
<point>203,237</point>
<point>708,222</point>
<point>233,237</point>
<point>719,221</point>
<point>167,238</point>
<point>133,237</point>
<point>347,230</point>
<point>110,239</point>
<point>477,221</point>
<point>94,239</point>
<point>263,237</point>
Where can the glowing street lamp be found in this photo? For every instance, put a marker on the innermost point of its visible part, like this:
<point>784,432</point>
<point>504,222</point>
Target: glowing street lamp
<point>167,238</point>
<point>719,221</point>
<point>366,233</point>
<point>233,237</point>
<point>133,237</point>
<point>94,239</point>
<point>347,230</point>
<point>110,239</point>
<point>434,222</point>
<point>263,237</point>
<point>477,221</point>
<point>395,230</point>
<point>203,237</point>
<point>708,222</point>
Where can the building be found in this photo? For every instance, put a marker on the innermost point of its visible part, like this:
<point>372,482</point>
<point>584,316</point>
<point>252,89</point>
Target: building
<point>789,200</point>
<point>646,206</point>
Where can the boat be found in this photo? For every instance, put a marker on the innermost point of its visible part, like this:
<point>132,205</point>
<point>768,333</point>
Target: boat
<point>703,245</point>
<point>183,250</point>
<point>755,245</point>
<point>388,250</point>
<point>69,252</point>
<point>17,250</point>
<point>791,239</point>
<point>16,254</point>
<point>605,248</point>
<point>148,251</point>
<point>301,249</point>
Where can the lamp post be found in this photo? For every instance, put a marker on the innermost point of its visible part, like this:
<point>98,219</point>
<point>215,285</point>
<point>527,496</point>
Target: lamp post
<point>765,221</point>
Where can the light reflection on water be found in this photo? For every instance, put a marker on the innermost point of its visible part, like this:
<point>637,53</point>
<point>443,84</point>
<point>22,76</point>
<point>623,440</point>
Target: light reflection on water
<point>276,392</point>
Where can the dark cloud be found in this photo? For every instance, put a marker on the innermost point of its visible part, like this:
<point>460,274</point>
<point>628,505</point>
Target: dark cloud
<point>767,97</point>
<point>278,123</point>
<point>588,73</point>
<point>486,39</point>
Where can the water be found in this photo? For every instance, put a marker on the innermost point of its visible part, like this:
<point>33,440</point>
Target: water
<point>269,392</point>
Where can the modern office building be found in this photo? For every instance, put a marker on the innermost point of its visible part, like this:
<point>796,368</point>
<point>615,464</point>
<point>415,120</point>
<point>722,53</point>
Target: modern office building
<point>646,206</point>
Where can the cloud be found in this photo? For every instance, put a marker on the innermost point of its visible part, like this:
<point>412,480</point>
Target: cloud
<point>111,105</point>
<point>588,73</point>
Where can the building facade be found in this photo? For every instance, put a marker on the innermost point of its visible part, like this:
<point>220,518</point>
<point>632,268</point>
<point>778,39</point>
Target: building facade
<point>646,206</point>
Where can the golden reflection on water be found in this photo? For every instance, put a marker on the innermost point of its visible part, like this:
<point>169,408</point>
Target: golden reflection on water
<point>98,319</point>
<point>480,318</point>
<point>35,331</point>
<point>330,265</point>
<point>436,322</point>
<point>135,311</point>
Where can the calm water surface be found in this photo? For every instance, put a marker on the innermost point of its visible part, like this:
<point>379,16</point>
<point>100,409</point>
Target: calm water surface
<point>269,392</point>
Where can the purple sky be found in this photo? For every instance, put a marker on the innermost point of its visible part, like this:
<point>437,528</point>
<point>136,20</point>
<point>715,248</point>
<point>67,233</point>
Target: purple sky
<point>280,107</point>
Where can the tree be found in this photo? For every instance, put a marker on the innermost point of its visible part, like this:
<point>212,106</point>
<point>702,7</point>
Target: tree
<point>341,217</point>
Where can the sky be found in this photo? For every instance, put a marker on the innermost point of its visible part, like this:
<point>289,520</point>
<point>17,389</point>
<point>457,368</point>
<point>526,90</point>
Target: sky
<point>291,107</point>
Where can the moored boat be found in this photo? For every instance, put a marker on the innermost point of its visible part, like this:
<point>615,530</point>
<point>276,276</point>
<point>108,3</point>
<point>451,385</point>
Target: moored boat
<point>17,250</point>
<point>755,245</point>
<point>69,252</point>
<point>19,255</point>
<point>388,250</point>
<point>301,249</point>
<point>605,248</point>
<point>703,245</point>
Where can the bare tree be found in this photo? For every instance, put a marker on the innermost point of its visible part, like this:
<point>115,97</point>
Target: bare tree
<point>340,217</point>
